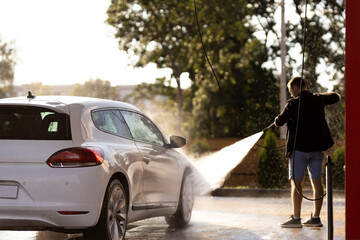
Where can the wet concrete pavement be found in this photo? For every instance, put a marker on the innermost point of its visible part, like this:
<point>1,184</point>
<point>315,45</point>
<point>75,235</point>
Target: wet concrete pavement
<point>224,218</point>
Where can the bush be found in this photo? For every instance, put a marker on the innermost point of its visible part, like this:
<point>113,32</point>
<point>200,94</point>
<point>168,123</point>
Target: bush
<point>338,173</point>
<point>199,147</point>
<point>272,170</point>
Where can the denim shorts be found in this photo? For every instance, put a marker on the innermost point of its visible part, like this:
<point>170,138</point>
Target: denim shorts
<point>313,161</point>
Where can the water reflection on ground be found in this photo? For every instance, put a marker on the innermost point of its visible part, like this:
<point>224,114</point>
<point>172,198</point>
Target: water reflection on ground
<point>221,218</point>
<point>37,235</point>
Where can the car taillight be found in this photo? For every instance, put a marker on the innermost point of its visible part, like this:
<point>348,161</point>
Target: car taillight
<point>76,157</point>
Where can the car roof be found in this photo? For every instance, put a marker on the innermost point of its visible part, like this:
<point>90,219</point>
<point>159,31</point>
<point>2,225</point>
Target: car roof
<point>54,101</point>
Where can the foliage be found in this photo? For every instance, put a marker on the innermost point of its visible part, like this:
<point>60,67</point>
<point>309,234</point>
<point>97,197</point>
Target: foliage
<point>338,171</point>
<point>336,114</point>
<point>7,64</point>
<point>247,97</point>
<point>324,46</point>
<point>164,32</point>
<point>158,101</point>
<point>95,88</point>
<point>325,39</point>
<point>199,147</point>
<point>272,170</point>
<point>156,31</point>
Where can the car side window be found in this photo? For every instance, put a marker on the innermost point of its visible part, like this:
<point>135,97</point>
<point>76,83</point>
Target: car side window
<point>111,121</point>
<point>143,129</point>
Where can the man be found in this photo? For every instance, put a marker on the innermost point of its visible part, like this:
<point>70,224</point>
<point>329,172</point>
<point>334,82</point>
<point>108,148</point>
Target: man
<point>306,151</point>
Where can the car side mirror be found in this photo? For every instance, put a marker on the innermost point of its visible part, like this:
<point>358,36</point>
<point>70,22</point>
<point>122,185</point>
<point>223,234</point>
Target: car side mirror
<point>177,142</point>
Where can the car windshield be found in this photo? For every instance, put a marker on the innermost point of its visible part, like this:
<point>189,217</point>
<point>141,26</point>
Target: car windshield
<point>33,123</point>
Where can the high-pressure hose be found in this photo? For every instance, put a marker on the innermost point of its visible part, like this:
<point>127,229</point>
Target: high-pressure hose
<point>216,77</point>
<point>271,125</point>
<point>298,113</point>
<point>270,148</point>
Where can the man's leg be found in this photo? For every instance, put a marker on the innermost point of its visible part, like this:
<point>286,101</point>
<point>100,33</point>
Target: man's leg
<point>296,171</point>
<point>318,189</point>
<point>315,170</point>
<point>296,197</point>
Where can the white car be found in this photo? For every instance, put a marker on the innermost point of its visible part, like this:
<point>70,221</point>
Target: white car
<point>75,164</point>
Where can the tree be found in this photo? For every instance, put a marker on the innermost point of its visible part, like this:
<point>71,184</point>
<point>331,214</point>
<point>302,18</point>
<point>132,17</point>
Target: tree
<point>249,95</point>
<point>325,45</point>
<point>158,100</point>
<point>272,171</point>
<point>336,114</point>
<point>247,100</point>
<point>338,168</point>
<point>170,29</point>
<point>325,37</point>
<point>95,88</point>
<point>156,31</point>
<point>7,64</point>
<point>37,88</point>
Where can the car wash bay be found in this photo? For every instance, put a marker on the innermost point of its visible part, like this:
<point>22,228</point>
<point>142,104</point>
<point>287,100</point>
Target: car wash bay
<point>226,218</point>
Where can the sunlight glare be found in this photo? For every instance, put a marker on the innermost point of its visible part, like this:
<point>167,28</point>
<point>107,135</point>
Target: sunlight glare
<point>18,235</point>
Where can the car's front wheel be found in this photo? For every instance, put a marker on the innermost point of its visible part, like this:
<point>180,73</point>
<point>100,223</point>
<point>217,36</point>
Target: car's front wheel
<point>113,218</point>
<point>186,203</point>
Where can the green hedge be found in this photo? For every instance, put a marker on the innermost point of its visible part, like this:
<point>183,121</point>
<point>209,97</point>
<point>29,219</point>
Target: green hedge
<point>272,169</point>
<point>338,172</point>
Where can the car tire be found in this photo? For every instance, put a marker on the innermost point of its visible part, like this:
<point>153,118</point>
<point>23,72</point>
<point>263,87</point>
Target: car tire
<point>186,202</point>
<point>113,218</point>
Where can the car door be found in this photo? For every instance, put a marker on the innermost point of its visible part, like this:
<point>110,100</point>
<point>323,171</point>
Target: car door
<point>123,148</point>
<point>161,178</point>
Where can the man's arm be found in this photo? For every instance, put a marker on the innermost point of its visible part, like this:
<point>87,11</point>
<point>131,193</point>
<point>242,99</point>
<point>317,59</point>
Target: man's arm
<point>285,115</point>
<point>331,98</point>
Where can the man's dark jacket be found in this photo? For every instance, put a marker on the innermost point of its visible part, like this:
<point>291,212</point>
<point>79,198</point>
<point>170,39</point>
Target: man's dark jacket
<point>313,132</point>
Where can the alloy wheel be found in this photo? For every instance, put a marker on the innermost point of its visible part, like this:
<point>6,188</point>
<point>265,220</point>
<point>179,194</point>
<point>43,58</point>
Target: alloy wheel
<point>117,213</point>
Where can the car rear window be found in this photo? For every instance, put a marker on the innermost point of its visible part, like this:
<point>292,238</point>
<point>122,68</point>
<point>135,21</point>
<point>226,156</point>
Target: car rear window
<point>33,123</point>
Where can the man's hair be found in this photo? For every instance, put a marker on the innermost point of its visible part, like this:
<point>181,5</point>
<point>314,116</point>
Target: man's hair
<point>295,81</point>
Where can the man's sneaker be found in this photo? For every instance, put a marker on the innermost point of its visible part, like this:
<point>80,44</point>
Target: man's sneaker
<point>312,222</point>
<point>292,223</point>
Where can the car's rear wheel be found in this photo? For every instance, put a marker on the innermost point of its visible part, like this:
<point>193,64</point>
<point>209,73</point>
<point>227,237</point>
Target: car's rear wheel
<point>113,218</point>
<point>186,203</point>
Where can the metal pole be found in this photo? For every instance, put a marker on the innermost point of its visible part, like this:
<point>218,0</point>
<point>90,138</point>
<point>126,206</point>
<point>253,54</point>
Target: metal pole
<point>283,66</point>
<point>330,219</point>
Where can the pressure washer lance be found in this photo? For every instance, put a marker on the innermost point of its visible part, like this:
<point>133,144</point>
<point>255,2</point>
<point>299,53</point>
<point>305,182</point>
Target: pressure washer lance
<point>271,125</point>
<point>270,148</point>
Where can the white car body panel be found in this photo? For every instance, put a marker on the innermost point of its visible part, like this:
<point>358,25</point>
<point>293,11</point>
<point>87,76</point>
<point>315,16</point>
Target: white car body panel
<point>43,191</point>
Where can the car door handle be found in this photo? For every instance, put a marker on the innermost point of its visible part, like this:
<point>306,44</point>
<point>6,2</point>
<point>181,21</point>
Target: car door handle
<point>147,160</point>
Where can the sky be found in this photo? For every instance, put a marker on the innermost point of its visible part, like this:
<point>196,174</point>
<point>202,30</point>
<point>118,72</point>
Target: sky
<point>68,41</point>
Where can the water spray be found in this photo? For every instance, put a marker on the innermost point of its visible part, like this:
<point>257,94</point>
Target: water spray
<point>212,170</point>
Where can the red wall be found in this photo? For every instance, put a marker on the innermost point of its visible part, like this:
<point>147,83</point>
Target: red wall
<point>352,119</point>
